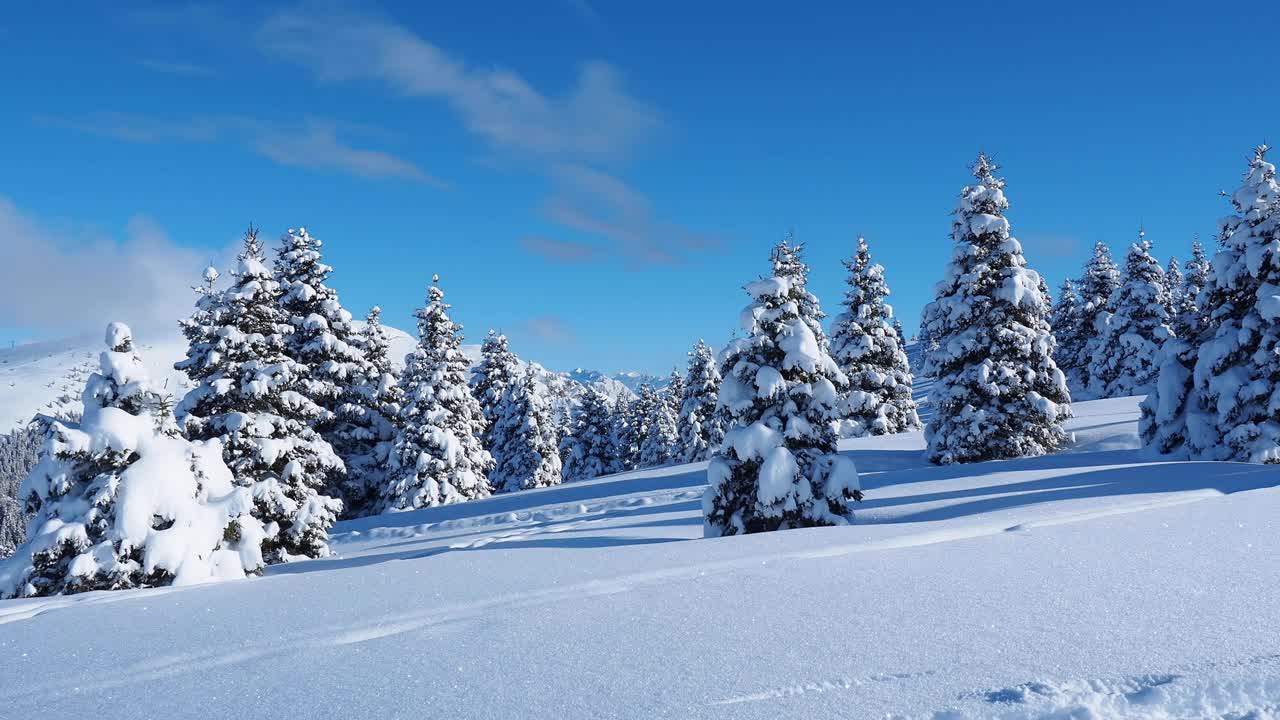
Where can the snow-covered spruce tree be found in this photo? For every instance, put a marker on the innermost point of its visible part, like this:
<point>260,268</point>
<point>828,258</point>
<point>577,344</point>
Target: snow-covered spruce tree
<point>588,449</point>
<point>326,347</point>
<point>1127,340</point>
<point>673,396</point>
<point>636,428</point>
<point>1187,316</point>
<point>1099,283</point>
<point>368,419</point>
<point>122,500</point>
<point>778,467</point>
<point>788,261</point>
<point>698,422</point>
<point>1173,282</point>
<point>438,457</point>
<point>250,395</point>
<point>525,444</point>
<point>19,451</point>
<point>1070,335</point>
<point>870,353</point>
<point>997,392</point>
<point>489,379</point>
<point>660,445</point>
<point>1236,414</point>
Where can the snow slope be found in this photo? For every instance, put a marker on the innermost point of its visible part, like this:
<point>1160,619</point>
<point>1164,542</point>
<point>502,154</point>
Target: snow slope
<point>1094,583</point>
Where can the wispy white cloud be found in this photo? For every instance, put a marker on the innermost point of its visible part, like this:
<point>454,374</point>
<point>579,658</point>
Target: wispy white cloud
<point>318,148</point>
<point>70,278</point>
<point>571,137</point>
<point>596,118</point>
<point>314,144</point>
<point>598,203</point>
<point>561,250</point>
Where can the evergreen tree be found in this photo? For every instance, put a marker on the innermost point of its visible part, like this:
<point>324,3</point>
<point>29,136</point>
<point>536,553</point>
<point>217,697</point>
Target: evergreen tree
<point>626,449</point>
<point>1187,316</point>
<point>1099,283</point>
<point>252,395</point>
<point>526,447</point>
<point>489,380</point>
<point>1173,282</point>
<point>1071,336</point>
<point>368,419</point>
<point>639,415</point>
<point>788,261</point>
<point>1127,340</point>
<point>661,440</point>
<point>997,392</point>
<point>327,349</point>
<point>1236,411</point>
<point>699,423</point>
<point>778,467</point>
<point>673,396</point>
<point>438,458</point>
<point>122,500</point>
<point>588,449</point>
<point>870,352</point>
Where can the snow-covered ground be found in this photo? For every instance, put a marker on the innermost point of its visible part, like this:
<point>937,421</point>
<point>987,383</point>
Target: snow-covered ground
<point>1095,583</point>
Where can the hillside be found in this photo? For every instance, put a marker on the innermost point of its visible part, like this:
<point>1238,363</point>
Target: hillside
<point>1088,584</point>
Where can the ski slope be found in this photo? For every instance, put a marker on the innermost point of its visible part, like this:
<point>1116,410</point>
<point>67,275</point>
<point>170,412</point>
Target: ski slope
<point>1094,583</point>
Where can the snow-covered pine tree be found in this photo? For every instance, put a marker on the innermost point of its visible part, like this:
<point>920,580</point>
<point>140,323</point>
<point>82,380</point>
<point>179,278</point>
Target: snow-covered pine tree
<point>661,440</point>
<point>327,348</point>
<point>638,415</point>
<point>250,395</point>
<point>122,500</point>
<point>1169,405</point>
<point>1070,336</point>
<point>438,458</point>
<point>1236,414</point>
<point>1099,283</point>
<point>788,261</point>
<point>589,450</point>
<point>778,467</point>
<point>526,450</point>
<point>368,419</point>
<point>673,396</point>
<point>997,391</point>
<point>1173,282</point>
<point>19,451</point>
<point>1127,340</point>
<point>1187,316</point>
<point>870,353</point>
<point>699,423</point>
<point>489,379</point>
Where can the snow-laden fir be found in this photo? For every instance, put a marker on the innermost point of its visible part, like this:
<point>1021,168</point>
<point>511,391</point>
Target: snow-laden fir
<point>777,467</point>
<point>1099,283</point>
<point>660,445</point>
<point>589,447</point>
<point>1126,340</point>
<point>526,450</point>
<point>438,458</point>
<point>866,345</point>
<point>122,500</point>
<point>337,376</point>
<point>699,423</point>
<point>997,391</point>
<point>252,396</point>
<point>1216,396</point>
<point>1066,319</point>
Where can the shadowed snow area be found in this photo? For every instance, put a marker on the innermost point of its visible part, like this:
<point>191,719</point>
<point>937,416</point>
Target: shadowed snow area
<point>1093,583</point>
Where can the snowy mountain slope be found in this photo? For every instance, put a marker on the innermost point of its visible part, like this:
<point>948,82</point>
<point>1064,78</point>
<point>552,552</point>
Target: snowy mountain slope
<point>1094,583</point>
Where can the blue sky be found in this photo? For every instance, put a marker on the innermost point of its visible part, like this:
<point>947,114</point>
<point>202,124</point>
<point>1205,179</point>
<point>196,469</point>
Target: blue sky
<point>595,179</point>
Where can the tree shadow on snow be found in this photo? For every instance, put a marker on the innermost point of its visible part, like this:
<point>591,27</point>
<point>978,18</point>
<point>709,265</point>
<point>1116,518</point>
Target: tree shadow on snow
<point>1172,477</point>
